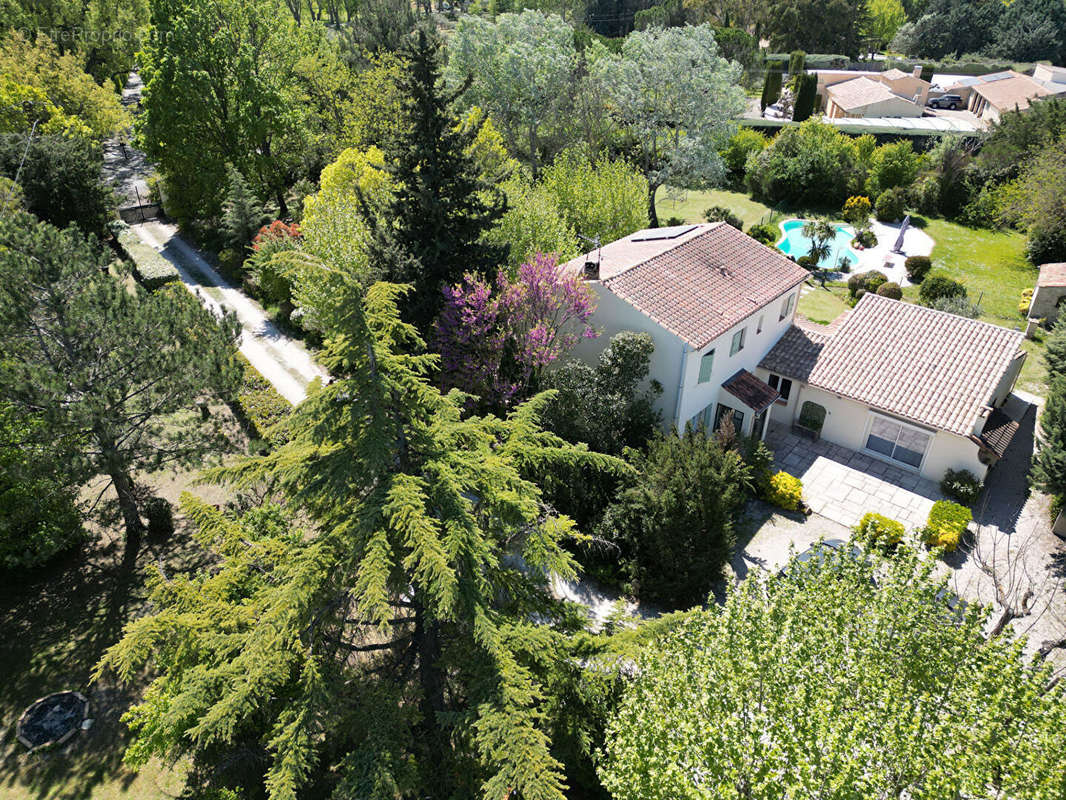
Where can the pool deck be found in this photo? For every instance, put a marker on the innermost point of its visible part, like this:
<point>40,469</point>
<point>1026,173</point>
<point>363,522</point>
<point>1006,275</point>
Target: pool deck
<point>881,257</point>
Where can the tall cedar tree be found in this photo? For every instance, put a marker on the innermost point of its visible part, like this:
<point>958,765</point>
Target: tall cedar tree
<point>102,364</point>
<point>1049,463</point>
<point>430,234</point>
<point>397,651</point>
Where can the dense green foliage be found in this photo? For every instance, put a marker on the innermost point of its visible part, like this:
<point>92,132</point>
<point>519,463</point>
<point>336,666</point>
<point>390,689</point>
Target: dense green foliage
<point>812,164</point>
<point>917,268</point>
<point>38,516</point>
<point>877,529</point>
<point>1034,203</point>
<point>393,649</point>
<point>262,408</point>
<point>673,525</point>
<point>961,485</point>
<point>946,525</point>
<point>430,231</point>
<point>891,205</point>
<point>1049,463</point>
<point>938,287</point>
<point>816,26</point>
<point>60,179</point>
<point>847,677</point>
<point>103,365</point>
<point>806,97</point>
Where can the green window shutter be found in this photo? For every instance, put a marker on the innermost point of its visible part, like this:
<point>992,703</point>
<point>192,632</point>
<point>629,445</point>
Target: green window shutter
<point>706,366</point>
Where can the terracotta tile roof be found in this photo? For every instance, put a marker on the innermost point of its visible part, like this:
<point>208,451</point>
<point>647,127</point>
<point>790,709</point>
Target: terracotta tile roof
<point>751,391</point>
<point>894,74</point>
<point>934,368</point>
<point>998,432</point>
<point>860,92</point>
<point>1052,275</point>
<point>795,353</point>
<point>700,286</point>
<point>1014,92</point>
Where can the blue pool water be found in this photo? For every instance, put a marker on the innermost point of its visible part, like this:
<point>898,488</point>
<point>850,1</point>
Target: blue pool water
<point>795,244</point>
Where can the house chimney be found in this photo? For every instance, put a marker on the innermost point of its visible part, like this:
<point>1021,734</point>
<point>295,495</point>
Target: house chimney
<point>592,271</point>
<point>917,71</point>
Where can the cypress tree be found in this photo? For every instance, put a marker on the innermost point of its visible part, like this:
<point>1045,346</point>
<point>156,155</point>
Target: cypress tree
<point>806,96</point>
<point>796,61</point>
<point>431,232</point>
<point>771,88</point>
<point>1049,464</point>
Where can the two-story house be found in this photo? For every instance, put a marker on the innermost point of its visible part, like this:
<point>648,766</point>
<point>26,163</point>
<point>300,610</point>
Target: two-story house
<point>714,301</point>
<point>914,387</point>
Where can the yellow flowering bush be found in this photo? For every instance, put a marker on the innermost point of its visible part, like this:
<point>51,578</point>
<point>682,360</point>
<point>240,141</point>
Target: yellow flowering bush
<point>946,524</point>
<point>785,491</point>
<point>878,529</point>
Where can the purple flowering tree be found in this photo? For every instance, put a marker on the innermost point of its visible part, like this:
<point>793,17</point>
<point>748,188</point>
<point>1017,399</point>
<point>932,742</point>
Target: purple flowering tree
<point>494,341</point>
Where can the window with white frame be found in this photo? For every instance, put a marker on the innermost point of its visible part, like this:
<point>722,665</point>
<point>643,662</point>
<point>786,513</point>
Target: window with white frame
<point>738,342</point>
<point>782,385</point>
<point>786,306</point>
<point>706,366</point>
<point>898,441</point>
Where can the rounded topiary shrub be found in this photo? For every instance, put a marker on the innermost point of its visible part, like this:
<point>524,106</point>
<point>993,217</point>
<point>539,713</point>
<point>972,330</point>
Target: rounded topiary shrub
<point>891,290</point>
<point>917,268</point>
<point>857,209</point>
<point>765,234</point>
<point>946,524</point>
<point>862,282</point>
<point>723,214</point>
<point>785,491</point>
<point>939,287</point>
<point>891,205</point>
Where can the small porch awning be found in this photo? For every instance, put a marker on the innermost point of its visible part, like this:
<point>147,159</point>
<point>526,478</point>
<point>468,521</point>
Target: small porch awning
<point>751,391</point>
<point>998,432</point>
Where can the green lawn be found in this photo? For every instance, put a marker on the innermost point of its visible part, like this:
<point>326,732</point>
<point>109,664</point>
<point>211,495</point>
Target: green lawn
<point>690,205</point>
<point>823,305</point>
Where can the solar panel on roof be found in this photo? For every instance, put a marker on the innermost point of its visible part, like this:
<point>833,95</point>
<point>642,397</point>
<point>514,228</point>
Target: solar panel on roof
<point>655,234</point>
<point>996,76</point>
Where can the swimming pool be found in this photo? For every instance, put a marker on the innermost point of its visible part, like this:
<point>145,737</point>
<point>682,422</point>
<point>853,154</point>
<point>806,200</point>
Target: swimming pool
<point>795,244</point>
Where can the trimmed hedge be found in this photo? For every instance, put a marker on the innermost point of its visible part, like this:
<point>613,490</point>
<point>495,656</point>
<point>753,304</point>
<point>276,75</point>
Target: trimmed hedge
<point>939,287</point>
<point>891,204</point>
<point>149,267</point>
<point>260,406</point>
<point>891,290</point>
<point>785,491</point>
<point>946,524</point>
<point>876,528</point>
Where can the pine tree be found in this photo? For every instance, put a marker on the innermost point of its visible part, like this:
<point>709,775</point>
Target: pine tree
<point>102,365</point>
<point>431,232</point>
<point>397,650</point>
<point>242,212</point>
<point>1049,463</point>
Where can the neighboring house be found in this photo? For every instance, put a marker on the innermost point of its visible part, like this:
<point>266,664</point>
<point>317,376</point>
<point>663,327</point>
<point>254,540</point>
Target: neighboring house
<point>994,95</point>
<point>1050,77</point>
<point>1050,292</point>
<point>912,386</point>
<point>714,302</point>
<point>863,97</point>
<point>908,86</point>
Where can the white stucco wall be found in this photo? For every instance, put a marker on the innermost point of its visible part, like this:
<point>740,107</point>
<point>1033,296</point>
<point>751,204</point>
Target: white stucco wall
<point>613,316</point>
<point>696,396</point>
<point>847,423</point>
<point>1045,302</point>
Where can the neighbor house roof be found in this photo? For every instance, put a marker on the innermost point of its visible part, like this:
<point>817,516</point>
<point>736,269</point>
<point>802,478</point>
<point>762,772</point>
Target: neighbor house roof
<point>860,93</point>
<point>895,74</point>
<point>698,284</point>
<point>1052,275</point>
<point>1014,91</point>
<point>928,366</point>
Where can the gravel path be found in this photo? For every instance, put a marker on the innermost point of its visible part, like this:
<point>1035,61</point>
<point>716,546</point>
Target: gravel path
<point>282,360</point>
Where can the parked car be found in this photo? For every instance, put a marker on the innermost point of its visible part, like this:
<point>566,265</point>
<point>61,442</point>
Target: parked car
<point>951,101</point>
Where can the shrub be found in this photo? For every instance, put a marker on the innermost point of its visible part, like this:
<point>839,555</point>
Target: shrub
<point>939,287</point>
<point>760,461</point>
<point>925,195</point>
<point>149,267</point>
<point>1047,244</point>
<point>891,205</point>
<point>917,268</point>
<point>722,214</point>
<point>961,486</point>
<point>961,306</point>
<point>865,237</point>
<point>878,529</point>
<point>862,282</point>
<point>740,146</point>
<point>857,209</point>
<point>1025,301</point>
<point>160,517</point>
<point>767,233</point>
<point>771,88</point>
<point>946,524</point>
<point>261,407</point>
<point>891,290</point>
<point>785,491</point>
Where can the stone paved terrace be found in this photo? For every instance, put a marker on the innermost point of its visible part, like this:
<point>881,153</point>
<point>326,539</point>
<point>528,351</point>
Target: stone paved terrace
<point>843,484</point>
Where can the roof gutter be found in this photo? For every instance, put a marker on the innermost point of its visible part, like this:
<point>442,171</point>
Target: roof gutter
<point>680,384</point>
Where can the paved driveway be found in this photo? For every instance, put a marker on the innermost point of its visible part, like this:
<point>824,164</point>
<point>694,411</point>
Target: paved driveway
<point>842,484</point>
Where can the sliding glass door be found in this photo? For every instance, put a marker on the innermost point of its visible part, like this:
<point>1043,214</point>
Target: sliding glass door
<point>897,441</point>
